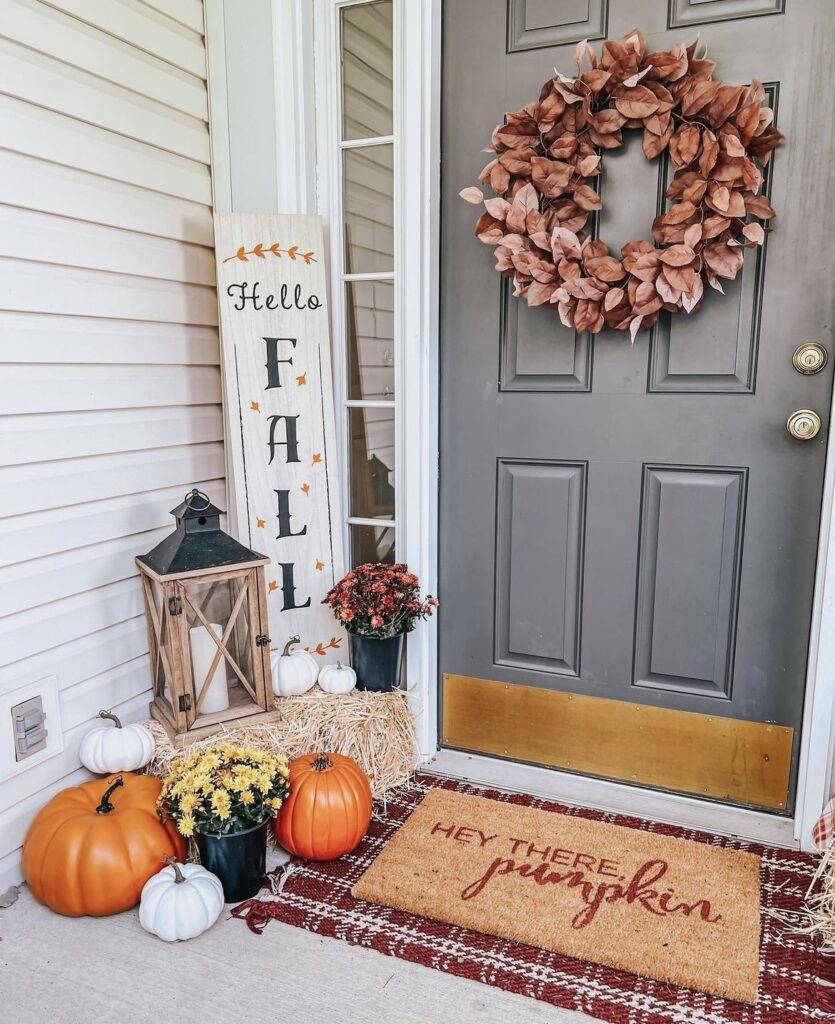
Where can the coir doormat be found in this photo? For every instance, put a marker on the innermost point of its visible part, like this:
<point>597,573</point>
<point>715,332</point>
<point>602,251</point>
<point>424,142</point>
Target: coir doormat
<point>318,897</point>
<point>662,907</point>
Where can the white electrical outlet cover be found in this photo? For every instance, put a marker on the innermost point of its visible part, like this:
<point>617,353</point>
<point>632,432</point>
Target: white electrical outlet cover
<point>47,689</point>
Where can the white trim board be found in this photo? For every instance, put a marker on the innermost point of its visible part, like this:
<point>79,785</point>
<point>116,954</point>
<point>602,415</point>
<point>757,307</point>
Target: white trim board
<point>417,127</point>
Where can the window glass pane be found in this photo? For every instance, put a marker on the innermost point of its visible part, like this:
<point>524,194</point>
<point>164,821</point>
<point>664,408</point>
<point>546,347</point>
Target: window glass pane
<point>367,70</point>
<point>372,544</point>
<point>370,315</point>
<point>368,190</point>
<point>372,462</point>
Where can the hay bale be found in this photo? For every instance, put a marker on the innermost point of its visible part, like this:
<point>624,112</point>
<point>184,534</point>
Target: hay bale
<point>376,729</point>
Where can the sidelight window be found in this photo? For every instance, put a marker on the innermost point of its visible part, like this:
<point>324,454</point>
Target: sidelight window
<point>364,267</point>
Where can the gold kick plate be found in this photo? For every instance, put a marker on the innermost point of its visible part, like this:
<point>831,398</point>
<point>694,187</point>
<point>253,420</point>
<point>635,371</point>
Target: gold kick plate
<point>704,755</point>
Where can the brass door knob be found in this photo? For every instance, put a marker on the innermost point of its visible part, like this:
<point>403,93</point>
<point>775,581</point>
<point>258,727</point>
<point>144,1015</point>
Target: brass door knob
<point>810,357</point>
<point>803,424</point>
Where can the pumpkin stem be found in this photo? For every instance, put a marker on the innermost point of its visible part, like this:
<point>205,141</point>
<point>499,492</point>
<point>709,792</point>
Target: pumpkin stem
<point>322,763</point>
<point>178,875</point>
<point>105,807</point>
<point>289,644</point>
<point>109,715</point>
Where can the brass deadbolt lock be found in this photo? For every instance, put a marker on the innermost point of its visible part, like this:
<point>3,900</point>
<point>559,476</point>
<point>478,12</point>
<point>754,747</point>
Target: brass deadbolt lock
<point>810,357</point>
<point>803,424</point>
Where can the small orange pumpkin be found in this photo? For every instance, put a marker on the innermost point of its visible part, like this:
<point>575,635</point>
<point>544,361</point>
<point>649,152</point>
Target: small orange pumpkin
<point>329,807</point>
<point>91,849</point>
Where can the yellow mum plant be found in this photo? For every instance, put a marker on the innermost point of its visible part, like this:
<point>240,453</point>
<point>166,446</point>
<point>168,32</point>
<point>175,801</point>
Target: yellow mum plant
<point>224,789</point>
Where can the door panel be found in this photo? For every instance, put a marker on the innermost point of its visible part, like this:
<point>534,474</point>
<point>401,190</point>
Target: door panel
<point>633,522</point>
<point>691,529</point>
<point>539,553</point>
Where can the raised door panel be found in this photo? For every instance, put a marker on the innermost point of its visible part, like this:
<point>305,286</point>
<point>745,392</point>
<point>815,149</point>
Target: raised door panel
<point>532,24</point>
<point>692,524</point>
<point>540,523</point>
<point>684,13</point>
<point>715,349</point>
<point>538,353</point>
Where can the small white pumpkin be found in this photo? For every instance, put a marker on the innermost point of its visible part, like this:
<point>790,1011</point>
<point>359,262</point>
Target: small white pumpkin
<point>294,672</point>
<point>337,678</point>
<point>123,749</point>
<point>180,902</point>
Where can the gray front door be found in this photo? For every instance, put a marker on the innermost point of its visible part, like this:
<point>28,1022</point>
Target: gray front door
<point>634,522</point>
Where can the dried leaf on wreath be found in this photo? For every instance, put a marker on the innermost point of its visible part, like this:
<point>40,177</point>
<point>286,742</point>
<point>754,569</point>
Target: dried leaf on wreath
<point>683,278</point>
<point>668,293</point>
<point>754,232</point>
<point>611,140</point>
<point>689,302</point>
<point>497,207</point>
<point>636,102</point>
<point>488,229</point>
<point>605,268</point>
<point>516,162</point>
<point>499,179</point>
<point>634,79</point>
<point>684,145</point>
<point>759,206</point>
<point>472,194</point>
<point>586,198</point>
<point>606,122</point>
<point>723,260</point>
<point>582,49</point>
<point>723,106</point>
<point>654,145</point>
<point>589,165</point>
<point>595,79</point>
<point>677,256</point>
<point>678,213</point>
<point>565,242</point>
<point>699,96</point>
<point>710,152</point>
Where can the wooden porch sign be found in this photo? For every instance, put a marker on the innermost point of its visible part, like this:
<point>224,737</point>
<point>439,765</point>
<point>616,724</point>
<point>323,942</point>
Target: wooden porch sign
<point>280,417</point>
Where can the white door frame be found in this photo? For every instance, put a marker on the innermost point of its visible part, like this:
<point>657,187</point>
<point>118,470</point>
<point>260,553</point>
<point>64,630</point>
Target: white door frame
<point>305,41</point>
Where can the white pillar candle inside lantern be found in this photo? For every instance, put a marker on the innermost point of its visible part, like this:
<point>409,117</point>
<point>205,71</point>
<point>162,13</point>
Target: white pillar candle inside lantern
<point>203,651</point>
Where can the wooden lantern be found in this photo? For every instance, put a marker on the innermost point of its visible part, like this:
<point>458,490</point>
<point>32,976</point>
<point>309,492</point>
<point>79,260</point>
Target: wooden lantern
<point>208,633</point>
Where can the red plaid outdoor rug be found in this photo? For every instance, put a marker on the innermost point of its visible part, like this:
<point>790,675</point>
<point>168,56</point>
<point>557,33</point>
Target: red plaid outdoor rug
<point>793,979</point>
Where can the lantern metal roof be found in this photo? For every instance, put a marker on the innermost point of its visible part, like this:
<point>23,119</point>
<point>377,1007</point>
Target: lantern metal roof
<point>197,544</point>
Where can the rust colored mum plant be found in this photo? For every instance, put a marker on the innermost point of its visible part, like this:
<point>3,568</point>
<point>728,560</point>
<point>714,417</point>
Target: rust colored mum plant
<point>719,137</point>
<point>379,600</point>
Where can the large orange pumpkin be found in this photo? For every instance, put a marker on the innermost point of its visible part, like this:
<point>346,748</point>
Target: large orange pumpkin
<point>92,847</point>
<point>328,809</point>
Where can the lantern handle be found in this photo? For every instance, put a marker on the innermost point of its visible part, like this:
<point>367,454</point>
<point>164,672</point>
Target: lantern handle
<point>194,494</point>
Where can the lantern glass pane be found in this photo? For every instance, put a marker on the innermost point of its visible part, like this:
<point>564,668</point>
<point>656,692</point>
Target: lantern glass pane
<point>164,639</point>
<point>223,605</point>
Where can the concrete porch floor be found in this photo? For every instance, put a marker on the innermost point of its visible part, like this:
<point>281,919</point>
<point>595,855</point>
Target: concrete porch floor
<point>108,970</point>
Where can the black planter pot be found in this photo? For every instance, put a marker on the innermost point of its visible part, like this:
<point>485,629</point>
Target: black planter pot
<point>377,662</point>
<point>239,860</point>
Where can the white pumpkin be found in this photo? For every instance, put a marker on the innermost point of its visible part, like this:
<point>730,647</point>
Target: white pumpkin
<point>124,749</point>
<point>337,678</point>
<point>180,902</point>
<point>294,672</point>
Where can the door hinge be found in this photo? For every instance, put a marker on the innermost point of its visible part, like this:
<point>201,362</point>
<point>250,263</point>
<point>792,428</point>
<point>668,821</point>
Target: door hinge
<point>175,606</point>
<point>185,702</point>
<point>262,640</point>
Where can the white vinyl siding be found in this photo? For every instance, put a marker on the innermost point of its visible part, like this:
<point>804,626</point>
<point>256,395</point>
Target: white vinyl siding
<point>110,385</point>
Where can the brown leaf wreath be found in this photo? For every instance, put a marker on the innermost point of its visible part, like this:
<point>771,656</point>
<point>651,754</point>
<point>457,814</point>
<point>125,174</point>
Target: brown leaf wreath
<point>719,138</point>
